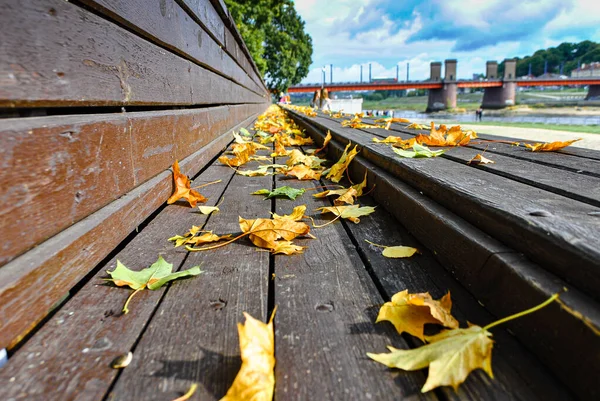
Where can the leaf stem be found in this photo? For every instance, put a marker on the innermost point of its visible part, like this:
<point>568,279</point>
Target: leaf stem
<point>523,313</point>
<point>125,309</point>
<point>326,224</point>
<point>189,393</point>
<point>372,243</point>
<point>207,184</point>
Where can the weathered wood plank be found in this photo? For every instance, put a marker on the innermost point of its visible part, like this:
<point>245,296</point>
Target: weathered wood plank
<point>208,17</point>
<point>503,281</point>
<point>504,208</point>
<point>73,350</point>
<point>566,183</point>
<point>69,56</point>
<point>517,373</point>
<point>166,23</point>
<point>325,320</point>
<point>68,256</point>
<point>195,324</point>
<point>552,159</point>
<point>62,163</point>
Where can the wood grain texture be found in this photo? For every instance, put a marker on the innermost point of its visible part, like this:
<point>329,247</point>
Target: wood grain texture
<point>208,17</point>
<point>69,56</point>
<point>164,22</point>
<point>503,208</point>
<point>584,188</point>
<point>505,282</point>
<point>195,324</point>
<point>325,321</point>
<point>58,170</point>
<point>517,373</point>
<point>73,350</point>
<point>67,257</point>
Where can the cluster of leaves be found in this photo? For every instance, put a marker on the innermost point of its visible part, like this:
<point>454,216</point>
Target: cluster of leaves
<point>451,355</point>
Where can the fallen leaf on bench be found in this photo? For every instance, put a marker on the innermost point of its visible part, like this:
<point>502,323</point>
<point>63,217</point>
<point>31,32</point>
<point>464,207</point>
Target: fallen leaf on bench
<point>287,248</point>
<point>269,233</point>
<point>122,361</point>
<point>191,237</point>
<point>450,355</point>
<point>392,120</point>
<point>297,157</point>
<point>261,171</point>
<point>188,394</point>
<point>419,151</point>
<point>417,126</point>
<point>242,153</point>
<point>325,143</point>
<point>303,172</point>
<point>446,137</point>
<point>256,378</point>
<point>280,150</point>
<point>410,312</point>
<point>352,212</point>
<point>208,209</point>
<point>152,278</point>
<point>183,190</point>
<point>395,251</point>
<point>285,191</point>
<point>480,159</point>
<point>296,215</point>
<point>550,147</point>
<point>336,172</point>
<point>397,141</point>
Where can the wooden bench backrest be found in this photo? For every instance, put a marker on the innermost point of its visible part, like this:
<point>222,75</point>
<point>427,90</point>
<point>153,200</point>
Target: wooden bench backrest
<point>97,100</point>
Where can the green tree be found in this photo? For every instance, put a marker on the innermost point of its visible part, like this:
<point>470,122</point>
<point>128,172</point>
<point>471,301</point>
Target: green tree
<point>275,36</point>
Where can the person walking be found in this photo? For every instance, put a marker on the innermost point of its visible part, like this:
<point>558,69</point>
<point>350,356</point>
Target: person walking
<point>325,101</point>
<point>316,100</point>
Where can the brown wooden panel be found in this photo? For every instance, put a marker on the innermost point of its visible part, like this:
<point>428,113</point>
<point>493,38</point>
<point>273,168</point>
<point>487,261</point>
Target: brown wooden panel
<point>58,170</point>
<point>90,325</point>
<point>166,23</point>
<point>206,14</point>
<point>67,257</point>
<point>69,56</point>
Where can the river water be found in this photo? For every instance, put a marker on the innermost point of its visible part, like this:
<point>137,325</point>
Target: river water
<point>470,117</point>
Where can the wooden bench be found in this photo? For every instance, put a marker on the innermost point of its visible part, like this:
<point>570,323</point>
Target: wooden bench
<point>100,97</point>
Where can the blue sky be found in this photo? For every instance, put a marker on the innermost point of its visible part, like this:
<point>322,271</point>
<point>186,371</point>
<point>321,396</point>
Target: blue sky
<point>385,33</point>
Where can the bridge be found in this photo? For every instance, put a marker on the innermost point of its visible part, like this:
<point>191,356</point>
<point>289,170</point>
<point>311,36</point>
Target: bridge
<point>499,92</point>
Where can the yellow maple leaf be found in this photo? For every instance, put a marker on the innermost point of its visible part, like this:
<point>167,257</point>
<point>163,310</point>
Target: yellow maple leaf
<point>416,126</point>
<point>480,159</point>
<point>303,172</point>
<point>336,172</point>
<point>266,233</point>
<point>352,212</point>
<point>410,312</point>
<point>451,355</point>
<point>325,143</point>
<point>444,137</point>
<point>280,150</point>
<point>183,190</point>
<point>550,147</point>
<point>296,215</point>
<point>256,378</point>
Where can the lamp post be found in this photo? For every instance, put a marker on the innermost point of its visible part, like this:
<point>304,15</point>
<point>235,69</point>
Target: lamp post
<point>323,80</point>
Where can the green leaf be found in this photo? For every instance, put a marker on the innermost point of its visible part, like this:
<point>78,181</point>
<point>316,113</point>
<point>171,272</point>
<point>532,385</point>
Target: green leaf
<point>418,152</point>
<point>245,133</point>
<point>285,191</point>
<point>153,277</point>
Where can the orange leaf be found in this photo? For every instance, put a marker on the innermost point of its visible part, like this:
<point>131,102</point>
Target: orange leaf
<point>303,172</point>
<point>183,190</point>
<point>550,147</point>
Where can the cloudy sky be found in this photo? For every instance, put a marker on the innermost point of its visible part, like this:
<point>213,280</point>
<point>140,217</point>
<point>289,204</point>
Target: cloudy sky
<point>385,33</point>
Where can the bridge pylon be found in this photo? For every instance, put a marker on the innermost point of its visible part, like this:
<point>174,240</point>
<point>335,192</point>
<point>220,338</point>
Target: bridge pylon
<point>501,96</point>
<point>444,97</point>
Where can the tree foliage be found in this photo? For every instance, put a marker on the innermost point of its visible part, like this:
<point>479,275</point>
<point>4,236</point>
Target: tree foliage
<point>275,36</point>
<point>569,55</point>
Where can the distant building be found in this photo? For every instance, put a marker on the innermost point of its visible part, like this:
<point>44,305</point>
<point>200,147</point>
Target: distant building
<point>587,70</point>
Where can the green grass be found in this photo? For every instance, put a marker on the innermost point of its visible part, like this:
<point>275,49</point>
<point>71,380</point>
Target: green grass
<point>589,129</point>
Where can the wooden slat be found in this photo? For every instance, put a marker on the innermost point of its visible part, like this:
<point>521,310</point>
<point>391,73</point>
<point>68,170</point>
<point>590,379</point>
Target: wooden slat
<point>54,169</point>
<point>166,23</point>
<point>325,321</point>
<point>68,56</point>
<point>570,184</point>
<point>500,207</point>
<point>195,325</point>
<point>503,281</point>
<point>73,350</point>
<point>517,373</point>
<point>67,257</point>
<point>553,159</point>
<point>206,14</point>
